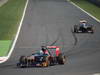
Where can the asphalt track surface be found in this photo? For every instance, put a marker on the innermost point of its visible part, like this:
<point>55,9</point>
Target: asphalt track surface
<point>49,21</point>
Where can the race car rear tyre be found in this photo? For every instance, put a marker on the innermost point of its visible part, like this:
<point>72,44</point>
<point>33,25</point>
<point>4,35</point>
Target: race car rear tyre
<point>75,29</point>
<point>61,59</point>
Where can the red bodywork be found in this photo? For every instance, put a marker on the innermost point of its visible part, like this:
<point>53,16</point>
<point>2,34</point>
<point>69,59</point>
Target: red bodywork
<point>57,51</point>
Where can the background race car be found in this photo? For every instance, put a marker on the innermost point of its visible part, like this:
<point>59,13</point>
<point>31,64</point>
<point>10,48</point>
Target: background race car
<point>83,27</point>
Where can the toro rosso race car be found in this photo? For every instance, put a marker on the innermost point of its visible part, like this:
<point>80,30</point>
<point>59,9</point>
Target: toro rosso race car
<point>51,55</point>
<point>83,27</point>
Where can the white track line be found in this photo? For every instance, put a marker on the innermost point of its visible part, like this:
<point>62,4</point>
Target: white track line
<point>84,11</point>
<point>4,59</point>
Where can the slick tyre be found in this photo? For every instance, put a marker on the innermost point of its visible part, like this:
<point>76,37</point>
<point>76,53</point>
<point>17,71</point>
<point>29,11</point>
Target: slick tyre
<point>75,29</point>
<point>61,59</point>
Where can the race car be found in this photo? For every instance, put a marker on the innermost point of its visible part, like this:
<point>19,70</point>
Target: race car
<point>83,27</point>
<point>39,59</point>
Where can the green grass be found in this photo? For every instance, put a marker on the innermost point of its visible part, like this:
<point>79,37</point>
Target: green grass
<point>4,46</point>
<point>10,16</point>
<point>89,7</point>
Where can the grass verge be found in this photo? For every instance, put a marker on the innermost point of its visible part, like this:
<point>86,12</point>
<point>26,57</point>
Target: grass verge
<point>10,16</point>
<point>89,7</point>
<point>4,47</point>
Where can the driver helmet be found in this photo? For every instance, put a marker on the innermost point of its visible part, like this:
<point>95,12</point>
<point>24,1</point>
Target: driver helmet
<point>43,48</point>
<point>41,52</point>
